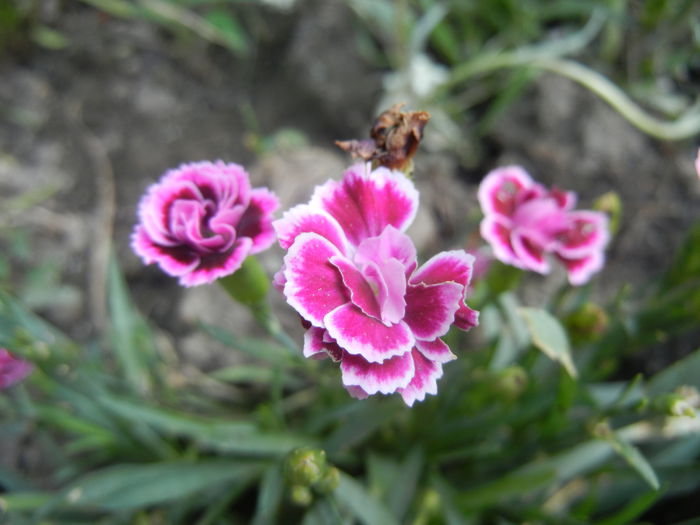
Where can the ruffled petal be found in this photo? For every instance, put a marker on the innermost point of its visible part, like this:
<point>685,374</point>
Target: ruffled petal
<point>466,318</point>
<point>214,266</point>
<point>385,377</point>
<point>588,231</point>
<point>496,231</point>
<point>304,218</point>
<point>581,270</point>
<point>436,350</point>
<point>255,222</point>
<point>314,346</point>
<point>366,336</point>
<point>498,192</point>
<point>361,293</point>
<point>313,285</point>
<point>455,266</point>
<point>430,309</point>
<point>424,380</point>
<point>364,202</point>
<point>530,256</point>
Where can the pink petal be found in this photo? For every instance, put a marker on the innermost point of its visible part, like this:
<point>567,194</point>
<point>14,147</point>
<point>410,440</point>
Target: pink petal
<point>214,266</point>
<point>581,270</point>
<point>12,369</point>
<point>566,200</point>
<point>436,350</point>
<point>466,318</point>
<point>359,334</point>
<point>361,293</point>
<point>430,309</point>
<point>424,380</point>
<point>499,190</point>
<point>313,285</point>
<point>304,218</point>
<point>356,392</point>
<point>588,232</point>
<point>455,266</point>
<point>256,222</point>
<point>314,346</point>
<point>494,231</point>
<point>697,163</point>
<point>389,279</point>
<point>530,256</point>
<point>391,244</point>
<point>366,201</point>
<point>385,377</point>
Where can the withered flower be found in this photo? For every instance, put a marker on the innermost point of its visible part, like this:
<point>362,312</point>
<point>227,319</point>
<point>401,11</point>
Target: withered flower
<point>394,139</point>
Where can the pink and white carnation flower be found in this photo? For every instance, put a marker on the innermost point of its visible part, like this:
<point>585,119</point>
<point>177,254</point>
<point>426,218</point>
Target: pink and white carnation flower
<point>351,273</point>
<point>12,369</point>
<point>201,221</point>
<point>524,222</point>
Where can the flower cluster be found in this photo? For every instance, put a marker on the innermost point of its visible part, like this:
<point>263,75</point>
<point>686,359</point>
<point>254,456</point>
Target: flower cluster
<point>351,273</point>
<point>12,369</point>
<point>201,221</point>
<point>524,221</point>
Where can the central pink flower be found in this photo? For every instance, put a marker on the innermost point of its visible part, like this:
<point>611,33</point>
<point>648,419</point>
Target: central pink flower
<point>351,273</point>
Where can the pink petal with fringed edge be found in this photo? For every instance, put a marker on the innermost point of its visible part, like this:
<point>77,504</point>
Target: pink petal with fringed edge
<point>588,232</point>
<point>566,200</point>
<point>436,350</point>
<point>304,218</point>
<point>430,309</point>
<point>424,380</point>
<point>256,221</point>
<point>498,192</point>
<point>214,266</point>
<point>356,392</point>
<point>455,266</point>
<point>581,270</point>
<point>497,234</point>
<point>385,377</point>
<point>314,286</point>
<point>529,255</point>
<point>390,244</point>
<point>314,347</point>
<point>466,318</point>
<point>366,201</point>
<point>359,334</point>
<point>388,278</point>
<point>361,293</point>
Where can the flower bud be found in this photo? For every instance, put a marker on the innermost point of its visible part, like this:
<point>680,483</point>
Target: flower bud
<point>301,495</point>
<point>512,381</point>
<point>305,466</point>
<point>587,322</point>
<point>329,481</point>
<point>611,204</point>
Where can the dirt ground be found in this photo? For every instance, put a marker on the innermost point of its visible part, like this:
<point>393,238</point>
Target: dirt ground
<point>84,130</point>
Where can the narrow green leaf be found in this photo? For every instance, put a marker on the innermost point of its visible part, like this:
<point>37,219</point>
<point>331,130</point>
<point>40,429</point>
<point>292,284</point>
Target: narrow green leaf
<point>256,348</point>
<point>686,371</point>
<point>633,510</point>
<point>362,504</point>
<point>24,501</point>
<point>124,487</point>
<point>402,492</point>
<point>512,485</point>
<point>549,336</point>
<point>269,496</point>
<point>215,434</point>
<point>230,31</point>
<point>131,352</point>
<point>634,458</point>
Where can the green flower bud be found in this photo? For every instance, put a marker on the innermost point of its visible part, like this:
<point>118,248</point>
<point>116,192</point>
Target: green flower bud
<point>587,322</point>
<point>305,466</point>
<point>301,495</point>
<point>512,381</point>
<point>611,204</point>
<point>329,482</point>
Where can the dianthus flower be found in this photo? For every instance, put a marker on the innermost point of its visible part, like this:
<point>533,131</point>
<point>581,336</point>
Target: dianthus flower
<point>351,273</point>
<point>524,221</point>
<point>201,220</point>
<point>12,369</point>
